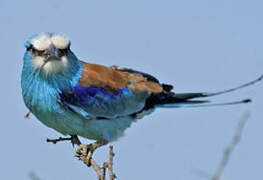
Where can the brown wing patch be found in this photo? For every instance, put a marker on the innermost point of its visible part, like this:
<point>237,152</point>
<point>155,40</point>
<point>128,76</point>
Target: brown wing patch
<point>147,86</point>
<point>113,79</point>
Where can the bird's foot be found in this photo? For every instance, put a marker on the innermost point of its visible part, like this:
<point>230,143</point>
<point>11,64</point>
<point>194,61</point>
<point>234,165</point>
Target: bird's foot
<point>74,140</point>
<point>85,152</point>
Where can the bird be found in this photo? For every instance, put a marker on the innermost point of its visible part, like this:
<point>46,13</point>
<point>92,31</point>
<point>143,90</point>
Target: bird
<point>97,102</point>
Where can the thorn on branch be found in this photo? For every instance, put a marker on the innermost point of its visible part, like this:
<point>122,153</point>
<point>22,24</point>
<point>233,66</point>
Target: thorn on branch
<point>27,114</point>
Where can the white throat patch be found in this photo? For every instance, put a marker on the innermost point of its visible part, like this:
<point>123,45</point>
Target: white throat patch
<point>52,66</point>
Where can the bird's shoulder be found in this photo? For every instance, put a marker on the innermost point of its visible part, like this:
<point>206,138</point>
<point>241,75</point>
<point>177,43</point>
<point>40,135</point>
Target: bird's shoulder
<point>113,79</point>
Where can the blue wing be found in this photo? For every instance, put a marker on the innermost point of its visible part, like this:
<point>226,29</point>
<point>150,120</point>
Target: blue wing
<point>97,102</point>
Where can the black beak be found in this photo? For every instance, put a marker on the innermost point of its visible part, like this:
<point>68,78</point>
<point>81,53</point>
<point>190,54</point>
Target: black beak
<point>52,53</point>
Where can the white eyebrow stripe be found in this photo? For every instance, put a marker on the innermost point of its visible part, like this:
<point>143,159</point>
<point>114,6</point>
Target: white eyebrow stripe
<point>41,42</point>
<point>60,41</point>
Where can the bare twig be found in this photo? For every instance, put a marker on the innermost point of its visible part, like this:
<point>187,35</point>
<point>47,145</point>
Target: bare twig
<point>94,165</point>
<point>104,169</point>
<point>204,174</point>
<point>55,141</point>
<point>227,152</point>
<point>73,139</point>
<point>101,172</point>
<point>97,169</point>
<point>110,164</point>
<point>229,149</point>
<point>84,153</point>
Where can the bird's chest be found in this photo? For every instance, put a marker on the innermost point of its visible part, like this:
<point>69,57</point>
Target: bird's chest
<point>42,98</point>
<point>42,101</point>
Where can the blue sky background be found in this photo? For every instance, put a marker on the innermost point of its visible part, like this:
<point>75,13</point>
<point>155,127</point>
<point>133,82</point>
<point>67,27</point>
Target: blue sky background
<point>199,45</point>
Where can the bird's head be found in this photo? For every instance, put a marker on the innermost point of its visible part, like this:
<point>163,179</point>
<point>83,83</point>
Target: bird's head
<point>50,53</point>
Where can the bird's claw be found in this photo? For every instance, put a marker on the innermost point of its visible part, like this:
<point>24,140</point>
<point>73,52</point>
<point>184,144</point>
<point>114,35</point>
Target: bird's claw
<point>85,152</point>
<point>75,140</point>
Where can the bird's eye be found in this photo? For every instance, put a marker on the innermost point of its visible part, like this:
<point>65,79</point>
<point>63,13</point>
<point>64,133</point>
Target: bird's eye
<point>38,53</point>
<point>34,50</point>
<point>29,47</point>
<point>64,51</point>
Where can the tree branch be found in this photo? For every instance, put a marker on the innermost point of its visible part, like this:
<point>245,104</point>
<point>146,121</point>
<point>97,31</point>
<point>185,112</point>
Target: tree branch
<point>83,155</point>
<point>101,172</point>
<point>229,149</point>
<point>110,164</point>
<point>55,141</point>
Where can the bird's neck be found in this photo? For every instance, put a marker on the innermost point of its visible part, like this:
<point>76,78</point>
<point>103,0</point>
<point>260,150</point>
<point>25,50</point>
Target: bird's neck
<point>39,89</point>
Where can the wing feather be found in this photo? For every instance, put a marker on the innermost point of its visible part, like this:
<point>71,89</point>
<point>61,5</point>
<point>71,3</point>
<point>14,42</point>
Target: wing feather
<point>104,92</point>
<point>112,79</point>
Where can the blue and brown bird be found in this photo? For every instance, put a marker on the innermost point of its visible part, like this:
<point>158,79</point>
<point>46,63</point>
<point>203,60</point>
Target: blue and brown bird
<point>77,98</point>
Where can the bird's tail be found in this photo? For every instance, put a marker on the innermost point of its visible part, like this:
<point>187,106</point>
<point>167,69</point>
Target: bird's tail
<point>170,99</point>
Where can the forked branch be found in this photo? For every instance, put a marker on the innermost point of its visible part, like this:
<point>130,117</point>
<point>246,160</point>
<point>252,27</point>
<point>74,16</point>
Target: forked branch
<point>89,161</point>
